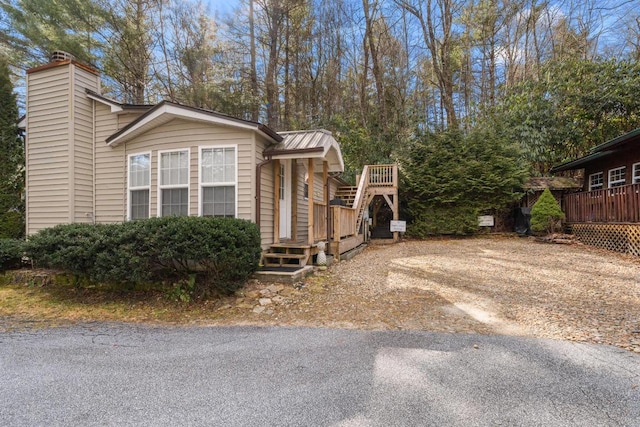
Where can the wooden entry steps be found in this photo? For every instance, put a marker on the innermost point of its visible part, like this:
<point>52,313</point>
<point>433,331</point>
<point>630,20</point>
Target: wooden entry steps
<point>348,194</point>
<point>288,255</point>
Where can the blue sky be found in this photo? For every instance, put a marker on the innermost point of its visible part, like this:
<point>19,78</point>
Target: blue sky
<point>221,6</point>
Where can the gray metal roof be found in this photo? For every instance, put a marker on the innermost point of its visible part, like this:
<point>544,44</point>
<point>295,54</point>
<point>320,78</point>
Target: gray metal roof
<point>318,143</point>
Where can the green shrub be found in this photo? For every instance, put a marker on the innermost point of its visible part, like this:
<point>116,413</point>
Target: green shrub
<point>70,247</point>
<point>216,255</point>
<point>11,225</point>
<point>449,177</point>
<point>444,220</point>
<point>546,215</point>
<point>11,251</point>
<point>223,252</point>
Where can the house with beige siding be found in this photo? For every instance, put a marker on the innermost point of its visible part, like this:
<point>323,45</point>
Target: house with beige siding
<point>91,159</point>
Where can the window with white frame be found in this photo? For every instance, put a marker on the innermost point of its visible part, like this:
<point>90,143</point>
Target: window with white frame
<point>174,183</point>
<point>617,176</point>
<point>139,184</point>
<point>218,181</point>
<point>636,173</point>
<point>595,181</point>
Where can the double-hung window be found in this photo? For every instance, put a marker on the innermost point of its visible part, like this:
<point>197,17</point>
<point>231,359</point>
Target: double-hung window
<point>595,181</point>
<point>218,181</point>
<point>636,173</point>
<point>139,183</point>
<point>617,177</point>
<point>174,183</point>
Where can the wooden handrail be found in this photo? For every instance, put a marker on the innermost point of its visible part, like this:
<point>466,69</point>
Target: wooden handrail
<point>617,204</point>
<point>361,196</point>
<point>373,176</point>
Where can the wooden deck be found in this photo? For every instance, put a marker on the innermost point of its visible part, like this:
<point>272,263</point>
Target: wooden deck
<point>611,205</point>
<point>340,226</point>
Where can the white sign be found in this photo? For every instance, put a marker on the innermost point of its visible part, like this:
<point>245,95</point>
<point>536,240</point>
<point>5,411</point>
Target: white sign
<point>400,226</point>
<point>486,221</point>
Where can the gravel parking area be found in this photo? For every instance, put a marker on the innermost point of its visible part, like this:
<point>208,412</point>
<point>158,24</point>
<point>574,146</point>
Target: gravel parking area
<point>495,285</point>
<point>488,285</point>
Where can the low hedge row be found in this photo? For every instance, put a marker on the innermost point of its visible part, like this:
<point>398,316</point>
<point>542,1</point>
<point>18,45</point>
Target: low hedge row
<point>219,254</point>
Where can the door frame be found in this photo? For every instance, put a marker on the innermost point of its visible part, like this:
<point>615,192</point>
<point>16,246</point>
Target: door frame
<point>285,199</point>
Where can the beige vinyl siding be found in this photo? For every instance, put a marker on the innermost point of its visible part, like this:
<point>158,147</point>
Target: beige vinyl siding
<point>47,152</point>
<point>82,120</point>
<point>182,134</point>
<point>124,118</point>
<point>111,184</point>
<point>333,188</point>
<point>318,184</point>
<point>266,196</point>
<point>303,204</point>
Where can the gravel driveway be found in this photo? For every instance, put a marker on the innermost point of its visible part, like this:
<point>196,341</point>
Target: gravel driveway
<point>495,285</point>
<point>489,285</point>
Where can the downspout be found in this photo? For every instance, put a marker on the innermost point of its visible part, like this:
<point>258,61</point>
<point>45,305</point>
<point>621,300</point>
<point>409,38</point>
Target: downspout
<point>259,186</point>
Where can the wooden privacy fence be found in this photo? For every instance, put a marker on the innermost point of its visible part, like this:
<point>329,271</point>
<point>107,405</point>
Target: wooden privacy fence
<point>618,204</point>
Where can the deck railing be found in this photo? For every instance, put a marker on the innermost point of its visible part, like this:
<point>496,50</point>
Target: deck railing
<point>617,204</point>
<point>382,175</point>
<point>344,222</point>
<point>373,176</point>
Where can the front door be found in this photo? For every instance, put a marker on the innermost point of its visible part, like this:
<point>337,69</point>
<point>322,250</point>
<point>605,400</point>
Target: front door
<point>285,199</point>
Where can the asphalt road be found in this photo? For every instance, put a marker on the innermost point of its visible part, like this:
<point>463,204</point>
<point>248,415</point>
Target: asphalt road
<point>106,374</point>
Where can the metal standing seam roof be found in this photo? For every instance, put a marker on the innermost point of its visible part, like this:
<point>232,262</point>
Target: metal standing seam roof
<point>309,143</point>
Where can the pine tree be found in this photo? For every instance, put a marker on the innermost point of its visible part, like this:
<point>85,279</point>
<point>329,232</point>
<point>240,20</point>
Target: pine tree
<point>11,159</point>
<point>546,213</point>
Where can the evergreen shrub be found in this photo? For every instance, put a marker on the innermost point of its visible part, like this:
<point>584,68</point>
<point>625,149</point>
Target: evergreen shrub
<point>546,214</point>
<point>217,255</point>
<point>11,251</point>
<point>445,220</point>
<point>449,178</point>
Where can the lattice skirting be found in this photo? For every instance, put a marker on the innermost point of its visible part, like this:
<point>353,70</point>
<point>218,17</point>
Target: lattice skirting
<point>615,237</point>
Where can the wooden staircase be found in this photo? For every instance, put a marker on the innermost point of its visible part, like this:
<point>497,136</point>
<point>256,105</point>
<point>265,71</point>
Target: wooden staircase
<point>347,194</point>
<point>295,255</point>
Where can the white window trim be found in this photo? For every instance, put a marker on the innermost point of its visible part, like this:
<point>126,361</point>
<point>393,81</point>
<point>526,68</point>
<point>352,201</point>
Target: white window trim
<point>202,185</point>
<point>130,188</point>
<point>635,170</point>
<point>601,185</point>
<point>610,182</point>
<point>283,181</point>
<point>168,187</point>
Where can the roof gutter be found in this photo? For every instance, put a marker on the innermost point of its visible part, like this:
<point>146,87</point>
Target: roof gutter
<point>295,151</point>
<point>581,162</point>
